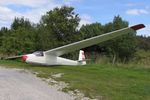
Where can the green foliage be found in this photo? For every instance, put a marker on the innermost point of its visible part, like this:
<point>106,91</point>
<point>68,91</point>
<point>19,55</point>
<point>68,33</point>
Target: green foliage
<point>19,23</point>
<point>121,48</point>
<point>19,39</point>
<point>91,30</point>
<point>141,57</point>
<point>3,31</point>
<point>61,24</point>
<point>143,42</point>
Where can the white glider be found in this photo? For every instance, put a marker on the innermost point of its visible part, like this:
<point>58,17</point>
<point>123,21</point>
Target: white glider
<point>52,57</point>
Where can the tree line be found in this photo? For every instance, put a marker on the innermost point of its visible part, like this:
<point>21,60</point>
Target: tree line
<point>59,27</point>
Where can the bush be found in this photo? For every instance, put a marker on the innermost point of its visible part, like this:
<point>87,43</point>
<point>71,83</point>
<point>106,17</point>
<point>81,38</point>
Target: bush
<point>142,57</point>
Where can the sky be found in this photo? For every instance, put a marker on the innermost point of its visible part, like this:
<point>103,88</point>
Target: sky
<point>90,11</point>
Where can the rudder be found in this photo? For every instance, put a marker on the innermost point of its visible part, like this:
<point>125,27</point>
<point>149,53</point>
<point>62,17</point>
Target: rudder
<point>81,58</point>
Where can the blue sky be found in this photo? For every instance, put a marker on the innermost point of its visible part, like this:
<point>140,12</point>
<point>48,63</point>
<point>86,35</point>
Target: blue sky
<point>134,11</point>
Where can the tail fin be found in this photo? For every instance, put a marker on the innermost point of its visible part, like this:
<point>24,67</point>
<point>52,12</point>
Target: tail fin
<point>82,57</point>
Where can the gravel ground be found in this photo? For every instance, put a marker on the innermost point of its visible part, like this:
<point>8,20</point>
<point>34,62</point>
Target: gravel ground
<point>20,85</point>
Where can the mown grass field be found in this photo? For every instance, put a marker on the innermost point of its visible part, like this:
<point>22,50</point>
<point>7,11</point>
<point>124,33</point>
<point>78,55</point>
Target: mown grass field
<point>106,81</point>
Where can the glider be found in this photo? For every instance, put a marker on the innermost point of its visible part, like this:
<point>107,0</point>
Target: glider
<point>52,57</point>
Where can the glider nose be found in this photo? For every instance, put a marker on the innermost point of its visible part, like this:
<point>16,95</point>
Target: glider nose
<point>24,58</point>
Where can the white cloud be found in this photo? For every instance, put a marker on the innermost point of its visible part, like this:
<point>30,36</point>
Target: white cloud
<point>39,7</point>
<point>7,15</point>
<point>136,11</point>
<point>35,14</point>
<point>85,19</point>
<point>145,31</point>
<point>69,2</point>
<point>29,3</point>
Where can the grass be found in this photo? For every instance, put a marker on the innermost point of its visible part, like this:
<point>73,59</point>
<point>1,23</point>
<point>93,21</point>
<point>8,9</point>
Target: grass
<point>109,82</point>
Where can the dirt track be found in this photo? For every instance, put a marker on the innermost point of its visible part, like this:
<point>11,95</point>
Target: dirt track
<point>19,85</point>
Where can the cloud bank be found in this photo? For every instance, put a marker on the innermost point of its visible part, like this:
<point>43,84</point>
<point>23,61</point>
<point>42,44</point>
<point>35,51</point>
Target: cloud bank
<point>136,11</point>
<point>36,8</point>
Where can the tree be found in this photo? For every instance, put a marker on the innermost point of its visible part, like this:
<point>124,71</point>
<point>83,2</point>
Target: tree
<point>143,43</point>
<point>20,39</point>
<point>21,22</point>
<point>122,47</point>
<point>91,30</point>
<point>45,40</point>
<point>3,31</point>
<point>60,25</point>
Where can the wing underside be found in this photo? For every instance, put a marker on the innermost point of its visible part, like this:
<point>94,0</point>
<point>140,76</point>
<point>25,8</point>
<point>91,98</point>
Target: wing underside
<point>92,41</point>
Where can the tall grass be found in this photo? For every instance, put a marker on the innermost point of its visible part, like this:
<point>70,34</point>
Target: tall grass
<point>142,58</point>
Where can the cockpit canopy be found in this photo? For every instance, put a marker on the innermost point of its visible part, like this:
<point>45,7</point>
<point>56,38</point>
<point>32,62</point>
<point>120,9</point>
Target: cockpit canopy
<point>38,53</point>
